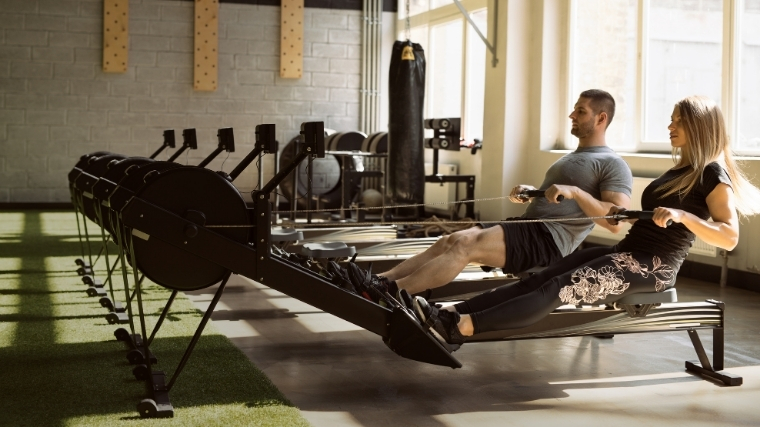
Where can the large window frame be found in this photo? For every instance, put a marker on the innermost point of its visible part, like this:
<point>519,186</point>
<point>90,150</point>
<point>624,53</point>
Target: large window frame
<point>730,75</point>
<point>427,18</point>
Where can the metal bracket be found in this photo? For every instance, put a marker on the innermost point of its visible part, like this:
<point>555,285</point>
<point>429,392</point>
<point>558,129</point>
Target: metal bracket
<point>491,47</point>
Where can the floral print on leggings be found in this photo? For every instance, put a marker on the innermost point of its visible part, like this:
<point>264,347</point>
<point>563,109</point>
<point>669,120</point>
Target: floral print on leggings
<point>591,285</point>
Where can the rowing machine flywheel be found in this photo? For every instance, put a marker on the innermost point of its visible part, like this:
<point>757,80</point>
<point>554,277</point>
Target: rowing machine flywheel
<point>201,196</point>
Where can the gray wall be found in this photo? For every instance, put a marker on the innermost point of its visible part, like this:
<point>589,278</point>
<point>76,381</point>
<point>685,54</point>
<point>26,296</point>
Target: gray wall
<point>56,103</point>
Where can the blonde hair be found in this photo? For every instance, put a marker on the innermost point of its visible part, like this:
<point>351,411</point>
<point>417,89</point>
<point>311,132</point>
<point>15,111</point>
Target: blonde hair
<point>707,142</point>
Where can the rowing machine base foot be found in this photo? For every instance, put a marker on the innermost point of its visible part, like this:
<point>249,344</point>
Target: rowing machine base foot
<point>409,339</point>
<point>724,377</point>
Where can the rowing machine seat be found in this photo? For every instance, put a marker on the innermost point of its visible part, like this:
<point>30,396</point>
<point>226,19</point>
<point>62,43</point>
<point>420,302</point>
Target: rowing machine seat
<point>668,295</point>
<point>328,250</point>
<point>286,235</point>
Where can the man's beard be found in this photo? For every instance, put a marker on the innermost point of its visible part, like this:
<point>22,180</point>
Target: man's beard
<point>583,130</point>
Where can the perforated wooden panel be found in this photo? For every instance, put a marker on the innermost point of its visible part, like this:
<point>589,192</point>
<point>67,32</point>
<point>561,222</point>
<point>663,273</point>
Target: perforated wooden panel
<point>291,39</point>
<point>115,35</point>
<point>206,45</point>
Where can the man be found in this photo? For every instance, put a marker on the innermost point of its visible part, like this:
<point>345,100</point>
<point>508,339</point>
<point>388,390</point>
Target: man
<point>591,179</point>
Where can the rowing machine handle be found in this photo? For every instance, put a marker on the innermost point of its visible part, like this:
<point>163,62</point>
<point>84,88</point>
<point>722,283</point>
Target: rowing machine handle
<point>539,193</point>
<point>642,215</point>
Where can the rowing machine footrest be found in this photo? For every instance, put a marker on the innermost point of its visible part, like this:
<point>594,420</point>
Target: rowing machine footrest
<point>668,295</point>
<point>328,250</point>
<point>286,235</point>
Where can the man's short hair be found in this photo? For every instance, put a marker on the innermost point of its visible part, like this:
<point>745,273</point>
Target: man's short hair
<point>601,101</point>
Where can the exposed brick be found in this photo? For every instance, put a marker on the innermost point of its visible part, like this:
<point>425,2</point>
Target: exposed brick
<point>31,70</point>
<point>355,22</point>
<point>352,109</point>
<point>90,56</point>
<point>177,13</point>
<point>75,71</point>
<point>60,163</point>
<point>171,29</point>
<point>108,103</point>
<point>354,52</point>
<point>255,77</point>
<point>47,86</point>
<point>11,21</point>
<point>107,135</point>
<point>187,105</point>
<point>345,37</point>
<point>142,58</point>
<point>171,59</point>
<point>36,117</point>
<point>67,102</point>
<point>167,121</point>
<point>147,104</point>
<point>243,62</point>
<point>58,7</point>
<point>12,85</point>
<point>246,32</point>
<point>181,44</point>
<point>261,16</point>
<point>165,90</point>
<point>316,64</point>
<point>141,28</point>
<point>263,48</point>
<point>150,11</point>
<point>204,121</point>
<point>328,80</point>
<point>312,35</point>
<point>271,34</point>
<point>22,195</point>
<point>311,94</point>
<point>149,43</point>
<point>329,108</point>
<point>69,39</point>
<point>150,134</point>
<point>260,107</point>
<point>86,118</point>
<point>130,88</point>
<point>19,6</point>
<point>226,106</point>
<point>155,74</point>
<point>44,179</point>
<point>336,20</point>
<point>353,81</point>
<point>5,72</point>
<point>270,63</point>
<point>344,95</point>
<point>125,119</point>
<point>85,25</point>
<point>233,46</point>
<point>70,133</point>
<point>15,179</point>
<point>35,164</point>
<point>15,53</point>
<point>322,50</point>
<point>47,23</point>
<point>279,93</point>
<point>91,8</point>
<point>342,122</point>
<point>248,92</point>
<point>345,66</point>
<point>25,101</point>
<point>293,107</point>
<point>28,133</point>
<point>53,54</point>
<point>240,121</point>
<point>8,117</point>
<point>305,80</point>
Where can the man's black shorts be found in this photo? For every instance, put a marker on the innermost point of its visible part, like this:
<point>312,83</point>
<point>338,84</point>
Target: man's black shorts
<point>529,244</point>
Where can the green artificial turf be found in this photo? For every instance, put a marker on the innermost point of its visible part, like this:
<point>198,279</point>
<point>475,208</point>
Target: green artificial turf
<point>60,364</point>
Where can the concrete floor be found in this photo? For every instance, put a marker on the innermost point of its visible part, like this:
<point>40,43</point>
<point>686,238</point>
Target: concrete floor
<point>340,375</point>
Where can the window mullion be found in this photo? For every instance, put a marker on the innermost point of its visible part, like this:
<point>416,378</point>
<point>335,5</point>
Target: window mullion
<point>730,66</point>
<point>642,72</point>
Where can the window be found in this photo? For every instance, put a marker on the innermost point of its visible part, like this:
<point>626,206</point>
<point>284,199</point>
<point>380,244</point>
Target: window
<point>455,56</point>
<point>650,53</point>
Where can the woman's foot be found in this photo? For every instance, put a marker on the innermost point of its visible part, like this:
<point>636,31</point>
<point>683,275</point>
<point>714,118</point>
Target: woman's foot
<point>442,323</point>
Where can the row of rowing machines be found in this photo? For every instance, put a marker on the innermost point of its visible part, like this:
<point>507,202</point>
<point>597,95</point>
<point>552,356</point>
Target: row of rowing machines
<point>188,228</point>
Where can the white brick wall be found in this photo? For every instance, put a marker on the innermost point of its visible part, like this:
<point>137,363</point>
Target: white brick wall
<point>56,103</point>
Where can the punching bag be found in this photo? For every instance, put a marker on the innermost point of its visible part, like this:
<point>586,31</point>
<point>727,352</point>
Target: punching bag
<point>406,159</point>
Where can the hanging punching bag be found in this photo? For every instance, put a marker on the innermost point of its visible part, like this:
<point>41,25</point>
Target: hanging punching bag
<point>406,159</point>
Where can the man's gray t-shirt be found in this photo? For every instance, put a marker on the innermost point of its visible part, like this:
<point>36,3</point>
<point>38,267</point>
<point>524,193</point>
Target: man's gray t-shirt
<point>593,170</point>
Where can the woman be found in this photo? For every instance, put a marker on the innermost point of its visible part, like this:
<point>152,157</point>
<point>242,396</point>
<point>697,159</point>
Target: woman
<point>701,195</point>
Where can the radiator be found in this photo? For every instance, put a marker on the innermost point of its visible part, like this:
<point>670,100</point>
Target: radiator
<point>437,193</point>
<point>698,248</point>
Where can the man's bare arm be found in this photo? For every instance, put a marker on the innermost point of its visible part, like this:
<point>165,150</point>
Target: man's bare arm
<point>591,206</point>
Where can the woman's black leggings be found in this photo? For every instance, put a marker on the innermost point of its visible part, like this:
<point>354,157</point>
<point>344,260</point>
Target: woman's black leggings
<point>594,275</point>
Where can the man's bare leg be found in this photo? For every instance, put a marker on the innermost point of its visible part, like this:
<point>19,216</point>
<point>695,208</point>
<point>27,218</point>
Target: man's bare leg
<point>414,263</point>
<point>485,246</point>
